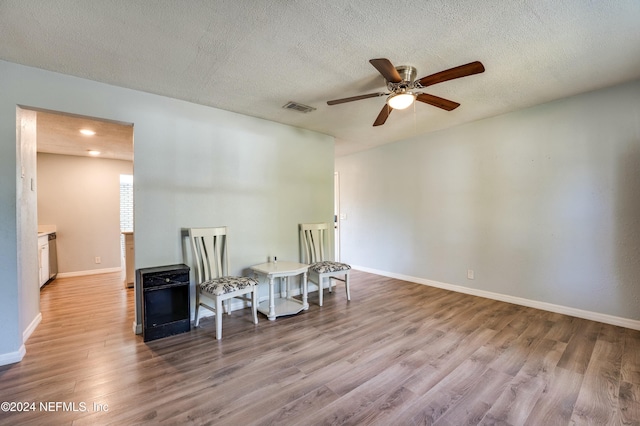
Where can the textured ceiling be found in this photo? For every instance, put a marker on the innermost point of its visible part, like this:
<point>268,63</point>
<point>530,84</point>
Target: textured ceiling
<point>252,57</point>
<point>60,134</point>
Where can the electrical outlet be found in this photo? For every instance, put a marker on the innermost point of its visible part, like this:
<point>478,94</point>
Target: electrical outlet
<point>470,274</point>
<point>98,260</point>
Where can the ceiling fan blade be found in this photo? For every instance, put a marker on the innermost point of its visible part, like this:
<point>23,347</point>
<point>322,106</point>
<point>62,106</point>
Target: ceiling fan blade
<point>384,114</point>
<point>452,73</point>
<point>437,102</point>
<point>386,68</point>
<point>355,98</point>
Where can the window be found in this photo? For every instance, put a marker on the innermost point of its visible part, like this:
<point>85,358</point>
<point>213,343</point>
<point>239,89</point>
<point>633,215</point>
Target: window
<point>126,207</point>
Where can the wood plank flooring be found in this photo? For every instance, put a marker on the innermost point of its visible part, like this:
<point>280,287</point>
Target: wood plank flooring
<point>398,354</point>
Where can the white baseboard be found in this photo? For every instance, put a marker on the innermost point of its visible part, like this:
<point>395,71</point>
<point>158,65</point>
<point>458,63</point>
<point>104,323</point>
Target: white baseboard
<point>137,328</point>
<point>32,327</point>
<point>89,272</point>
<point>13,357</point>
<point>566,310</point>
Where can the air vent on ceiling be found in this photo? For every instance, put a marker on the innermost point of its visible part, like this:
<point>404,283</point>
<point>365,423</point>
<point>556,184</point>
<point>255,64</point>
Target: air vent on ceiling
<point>298,107</point>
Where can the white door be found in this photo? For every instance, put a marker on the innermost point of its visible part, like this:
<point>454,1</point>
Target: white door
<point>336,215</point>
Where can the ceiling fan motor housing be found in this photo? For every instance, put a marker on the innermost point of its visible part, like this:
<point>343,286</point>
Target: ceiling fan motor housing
<point>408,75</point>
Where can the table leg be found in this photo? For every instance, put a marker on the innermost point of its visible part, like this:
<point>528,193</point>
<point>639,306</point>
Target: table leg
<point>272,302</point>
<point>305,305</point>
<point>284,284</point>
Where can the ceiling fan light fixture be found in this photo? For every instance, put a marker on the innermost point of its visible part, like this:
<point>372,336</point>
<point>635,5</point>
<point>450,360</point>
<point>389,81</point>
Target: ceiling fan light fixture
<point>401,100</point>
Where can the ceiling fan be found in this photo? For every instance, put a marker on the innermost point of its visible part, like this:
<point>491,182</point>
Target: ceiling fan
<point>402,87</point>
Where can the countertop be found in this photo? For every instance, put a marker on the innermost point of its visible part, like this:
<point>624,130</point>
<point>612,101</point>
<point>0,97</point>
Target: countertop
<point>46,230</point>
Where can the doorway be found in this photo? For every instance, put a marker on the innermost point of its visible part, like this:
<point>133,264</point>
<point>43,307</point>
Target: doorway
<point>73,189</point>
<point>336,215</point>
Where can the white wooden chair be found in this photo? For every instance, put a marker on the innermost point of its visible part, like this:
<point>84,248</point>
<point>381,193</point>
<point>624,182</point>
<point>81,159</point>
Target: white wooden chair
<point>314,238</point>
<point>210,254</point>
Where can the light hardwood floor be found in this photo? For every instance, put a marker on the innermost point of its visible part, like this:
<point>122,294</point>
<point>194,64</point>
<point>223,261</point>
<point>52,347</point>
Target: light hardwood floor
<point>398,354</point>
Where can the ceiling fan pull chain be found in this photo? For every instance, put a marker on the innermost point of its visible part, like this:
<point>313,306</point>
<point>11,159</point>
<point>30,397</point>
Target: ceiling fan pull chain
<point>415,121</point>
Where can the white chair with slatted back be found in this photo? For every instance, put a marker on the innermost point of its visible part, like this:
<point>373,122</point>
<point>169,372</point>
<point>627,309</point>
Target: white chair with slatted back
<point>210,254</point>
<point>314,238</point>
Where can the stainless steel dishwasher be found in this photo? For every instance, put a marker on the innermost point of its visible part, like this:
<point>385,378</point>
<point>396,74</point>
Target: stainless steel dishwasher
<point>53,257</point>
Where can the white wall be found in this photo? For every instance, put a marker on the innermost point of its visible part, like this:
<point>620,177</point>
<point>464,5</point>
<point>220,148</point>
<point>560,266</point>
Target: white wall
<point>194,166</point>
<point>543,204</point>
<point>81,196</point>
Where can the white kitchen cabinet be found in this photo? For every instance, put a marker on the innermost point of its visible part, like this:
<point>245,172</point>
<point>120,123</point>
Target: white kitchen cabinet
<point>43,258</point>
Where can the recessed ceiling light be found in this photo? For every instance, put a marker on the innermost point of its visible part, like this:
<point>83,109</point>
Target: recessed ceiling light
<point>92,152</point>
<point>87,132</point>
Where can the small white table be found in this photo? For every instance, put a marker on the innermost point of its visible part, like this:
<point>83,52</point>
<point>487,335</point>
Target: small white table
<point>284,305</point>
